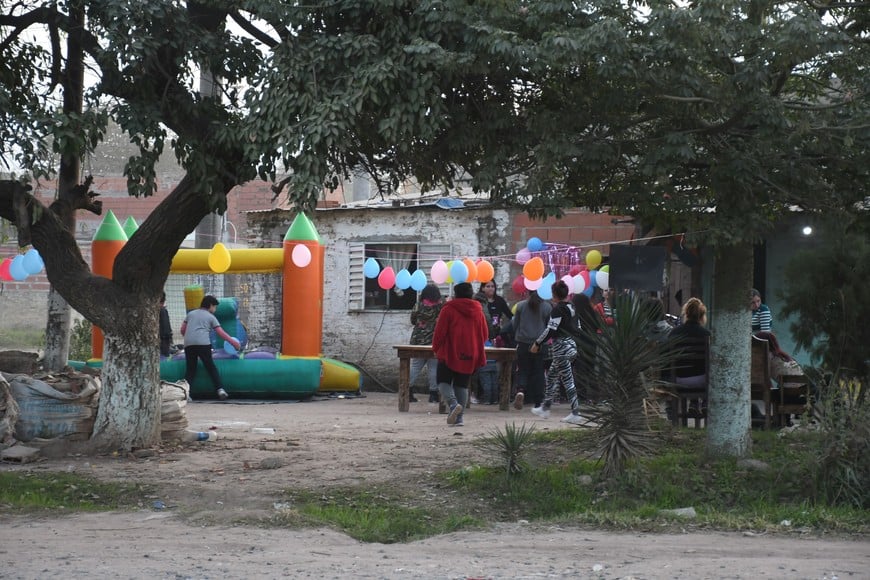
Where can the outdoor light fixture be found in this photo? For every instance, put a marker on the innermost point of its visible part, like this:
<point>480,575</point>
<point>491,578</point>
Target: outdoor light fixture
<point>807,230</point>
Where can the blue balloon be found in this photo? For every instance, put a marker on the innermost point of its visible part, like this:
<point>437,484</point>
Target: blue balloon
<point>403,279</point>
<point>418,280</point>
<point>588,291</point>
<point>230,349</point>
<point>535,245</point>
<point>545,291</point>
<point>593,274</point>
<point>32,261</point>
<point>371,268</point>
<point>16,268</point>
<point>459,272</point>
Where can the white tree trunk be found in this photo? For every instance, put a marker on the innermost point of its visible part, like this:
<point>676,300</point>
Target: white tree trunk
<point>729,428</point>
<point>57,329</point>
<point>129,412</point>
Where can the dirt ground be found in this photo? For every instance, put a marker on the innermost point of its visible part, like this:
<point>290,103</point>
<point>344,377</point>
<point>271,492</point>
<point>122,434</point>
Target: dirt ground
<point>191,527</point>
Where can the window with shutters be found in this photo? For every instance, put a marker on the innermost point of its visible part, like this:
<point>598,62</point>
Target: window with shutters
<point>367,294</point>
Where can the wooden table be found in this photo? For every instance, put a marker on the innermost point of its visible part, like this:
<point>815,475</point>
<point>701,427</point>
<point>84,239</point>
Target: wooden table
<point>503,356</point>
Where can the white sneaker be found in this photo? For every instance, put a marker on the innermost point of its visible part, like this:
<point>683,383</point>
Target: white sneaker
<point>541,412</point>
<point>573,419</point>
<point>518,401</point>
<point>222,395</point>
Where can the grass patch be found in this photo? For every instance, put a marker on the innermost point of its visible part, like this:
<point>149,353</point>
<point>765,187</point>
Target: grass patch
<point>22,337</point>
<point>371,516</point>
<point>31,492</point>
<point>560,485</point>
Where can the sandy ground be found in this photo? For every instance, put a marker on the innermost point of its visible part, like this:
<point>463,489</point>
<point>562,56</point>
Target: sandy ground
<point>205,489</point>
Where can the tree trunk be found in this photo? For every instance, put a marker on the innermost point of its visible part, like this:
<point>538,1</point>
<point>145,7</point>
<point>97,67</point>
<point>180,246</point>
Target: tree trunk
<point>57,326</point>
<point>129,413</point>
<point>57,330</point>
<point>729,429</point>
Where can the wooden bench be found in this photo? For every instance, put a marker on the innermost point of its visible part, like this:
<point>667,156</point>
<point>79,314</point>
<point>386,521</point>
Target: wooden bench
<point>504,357</point>
<point>760,385</point>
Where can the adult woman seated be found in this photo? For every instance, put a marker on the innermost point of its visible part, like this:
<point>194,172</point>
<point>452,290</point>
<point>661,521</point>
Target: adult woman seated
<point>691,339</point>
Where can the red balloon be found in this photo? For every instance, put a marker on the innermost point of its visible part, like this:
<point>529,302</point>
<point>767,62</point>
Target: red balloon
<point>518,286</point>
<point>387,278</point>
<point>576,269</point>
<point>4,270</point>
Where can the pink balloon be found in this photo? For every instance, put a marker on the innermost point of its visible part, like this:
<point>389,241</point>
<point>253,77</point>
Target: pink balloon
<point>387,278</point>
<point>533,284</point>
<point>523,256</point>
<point>301,255</point>
<point>439,272</point>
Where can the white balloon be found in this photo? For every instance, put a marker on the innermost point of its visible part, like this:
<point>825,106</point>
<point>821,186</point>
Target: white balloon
<point>603,280</point>
<point>579,284</point>
<point>301,255</point>
<point>569,282</point>
<point>533,284</point>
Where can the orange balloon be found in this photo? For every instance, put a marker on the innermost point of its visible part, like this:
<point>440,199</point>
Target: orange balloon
<point>534,269</point>
<point>485,271</point>
<point>472,270</point>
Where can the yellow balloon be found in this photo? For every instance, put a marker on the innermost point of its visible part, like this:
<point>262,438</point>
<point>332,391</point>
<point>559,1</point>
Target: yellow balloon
<point>449,275</point>
<point>593,259</point>
<point>219,258</point>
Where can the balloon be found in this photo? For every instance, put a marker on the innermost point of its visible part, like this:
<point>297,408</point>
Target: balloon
<point>575,269</point>
<point>593,275</point>
<point>518,285</point>
<point>33,261</point>
<point>593,259</point>
<point>472,269</point>
<point>387,278</point>
<point>523,256</point>
<point>449,265</point>
<point>439,272</point>
<point>533,284</point>
<point>4,270</point>
<point>535,245</point>
<point>587,281</point>
<point>548,281</point>
<point>603,279</point>
<point>605,268</point>
<point>230,349</point>
<point>301,255</point>
<point>459,271</point>
<point>16,268</point>
<point>371,268</point>
<point>219,258</point>
<point>569,282</point>
<point>588,292</point>
<point>418,280</point>
<point>534,269</point>
<point>403,279</point>
<point>485,271</point>
<point>579,284</point>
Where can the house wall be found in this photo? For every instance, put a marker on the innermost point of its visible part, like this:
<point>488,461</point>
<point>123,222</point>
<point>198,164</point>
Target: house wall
<point>366,338</point>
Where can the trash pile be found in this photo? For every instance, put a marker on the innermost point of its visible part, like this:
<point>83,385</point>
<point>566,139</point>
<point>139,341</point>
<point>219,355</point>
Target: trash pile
<point>38,408</point>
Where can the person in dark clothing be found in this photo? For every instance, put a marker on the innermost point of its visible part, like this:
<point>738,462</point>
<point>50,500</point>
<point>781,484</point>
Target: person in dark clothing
<point>691,338</point>
<point>529,321</point>
<point>165,328</point>
<point>563,348</point>
<point>589,325</point>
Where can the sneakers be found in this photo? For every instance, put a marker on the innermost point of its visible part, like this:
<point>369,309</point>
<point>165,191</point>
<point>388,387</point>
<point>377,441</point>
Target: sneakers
<point>518,401</point>
<point>541,412</point>
<point>459,422</point>
<point>573,419</point>
<point>412,398</point>
<point>455,412</point>
<point>222,394</point>
<point>433,396</point>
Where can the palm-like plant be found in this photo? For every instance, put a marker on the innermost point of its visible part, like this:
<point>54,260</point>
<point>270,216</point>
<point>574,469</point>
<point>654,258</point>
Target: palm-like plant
<point>510,445</point>
<point>624,356</point>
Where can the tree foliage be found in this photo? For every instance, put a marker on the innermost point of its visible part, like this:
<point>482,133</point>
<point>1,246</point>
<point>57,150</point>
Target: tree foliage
<point>826,293</point>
